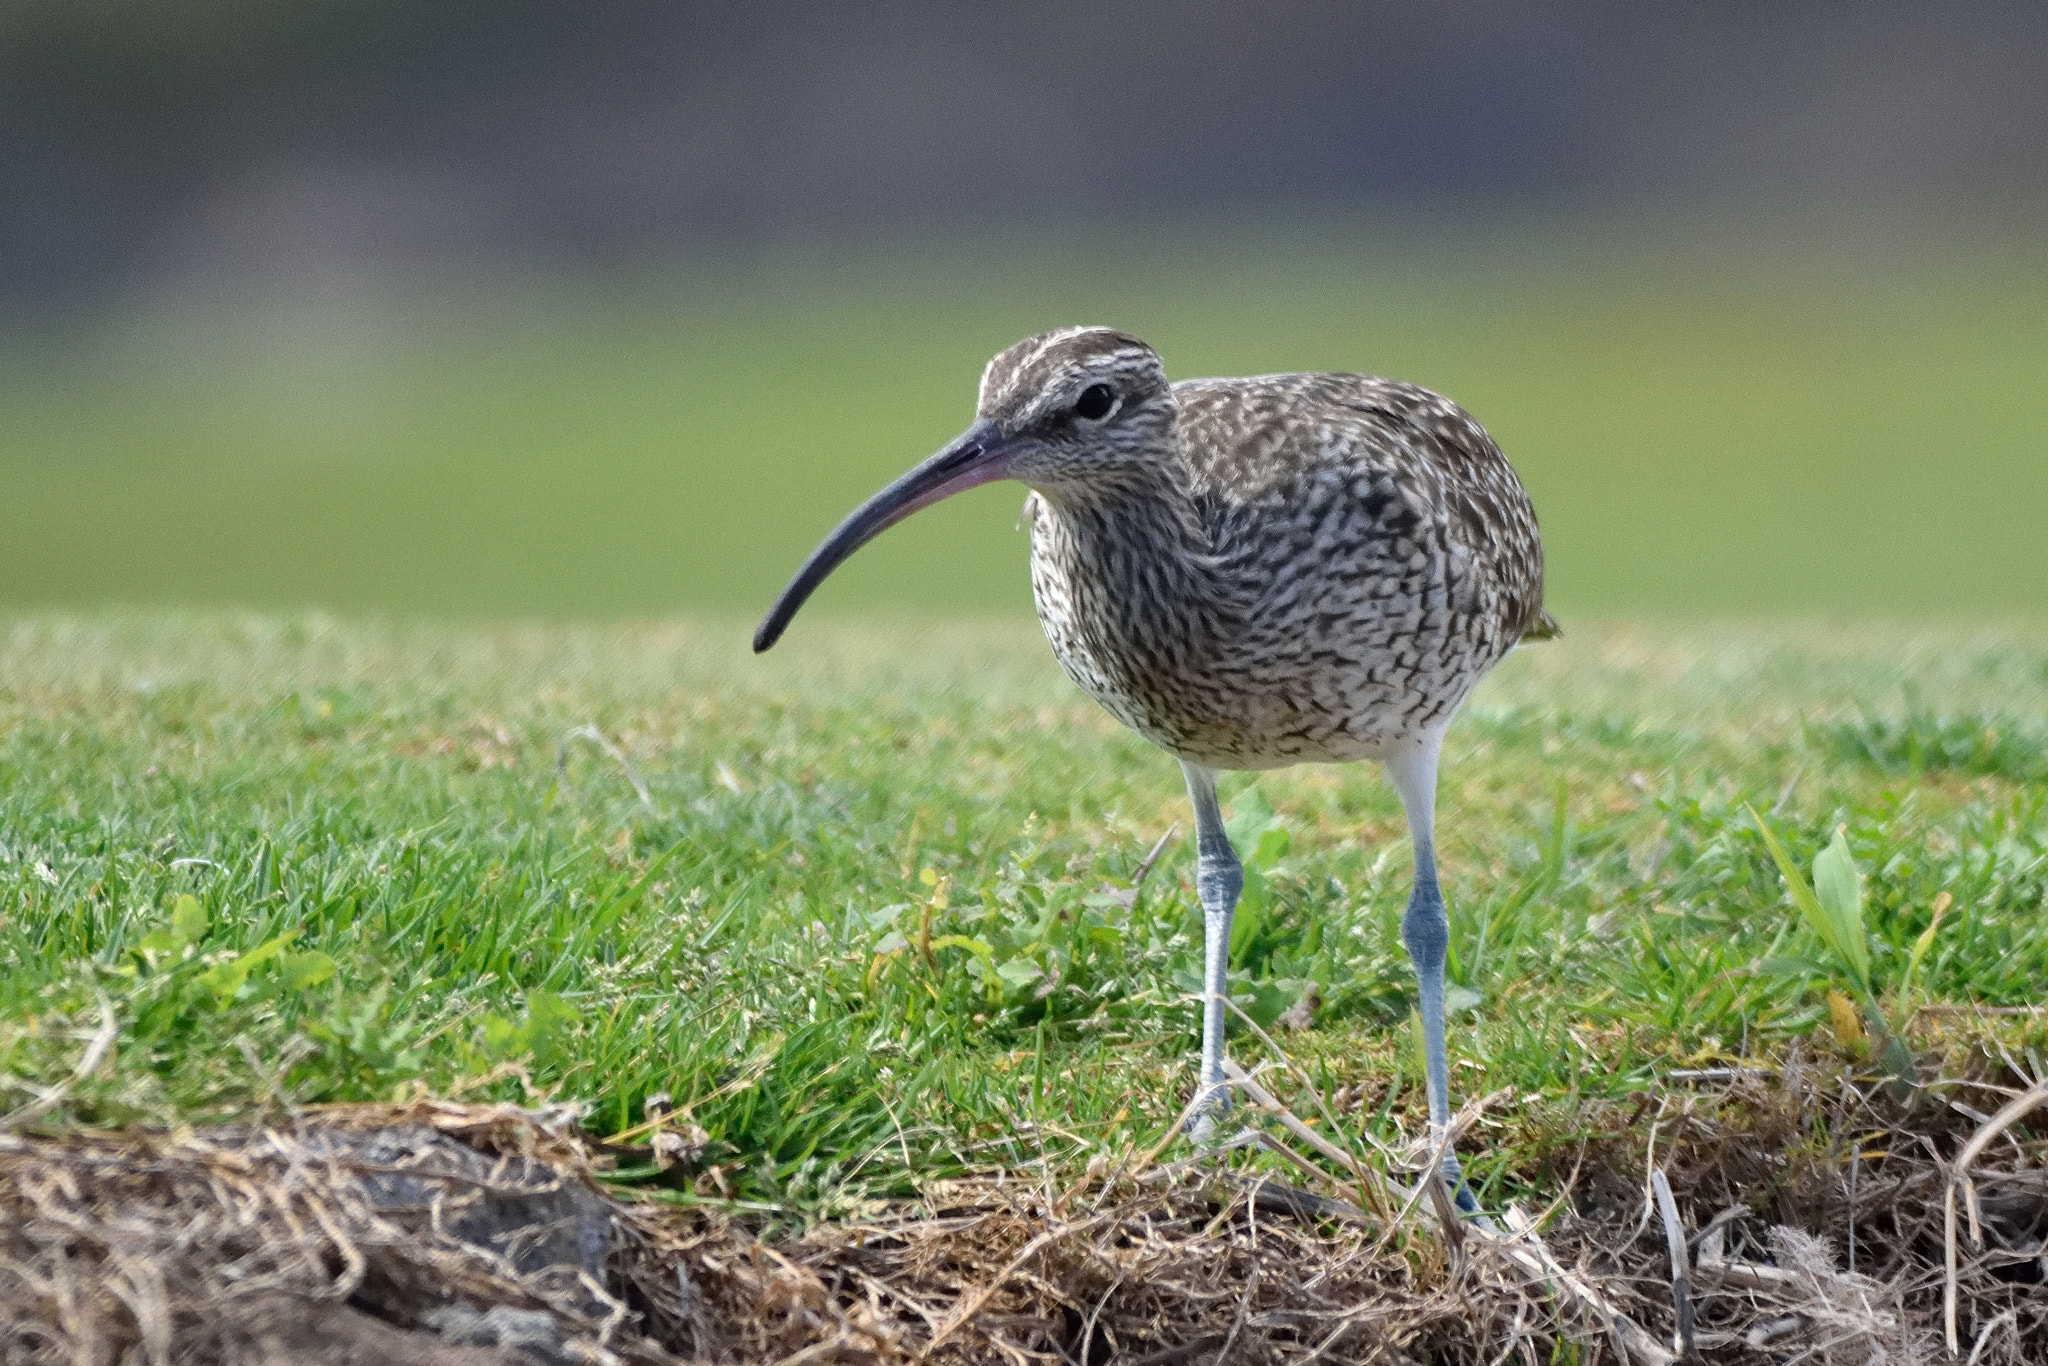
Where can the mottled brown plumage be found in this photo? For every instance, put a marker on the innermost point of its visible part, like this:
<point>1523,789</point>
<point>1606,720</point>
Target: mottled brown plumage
<point>1287,568</point>
<point>1251,573</point>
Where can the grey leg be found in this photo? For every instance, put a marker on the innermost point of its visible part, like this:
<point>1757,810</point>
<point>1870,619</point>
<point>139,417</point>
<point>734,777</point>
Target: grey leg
<point>1219,877</point>
<point>1426,930</point>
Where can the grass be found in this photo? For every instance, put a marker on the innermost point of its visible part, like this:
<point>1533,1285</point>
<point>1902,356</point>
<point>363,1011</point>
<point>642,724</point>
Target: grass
<point>873,920</point>
<point>1769,422</point>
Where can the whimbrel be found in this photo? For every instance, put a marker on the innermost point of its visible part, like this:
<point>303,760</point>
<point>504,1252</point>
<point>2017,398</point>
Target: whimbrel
<point>1251,573</point>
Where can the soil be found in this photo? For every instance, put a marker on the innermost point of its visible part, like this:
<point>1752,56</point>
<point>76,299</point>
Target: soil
<point>442,1234</point>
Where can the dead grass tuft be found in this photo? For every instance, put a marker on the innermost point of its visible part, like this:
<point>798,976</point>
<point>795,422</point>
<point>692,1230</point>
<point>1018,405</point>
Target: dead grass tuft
<point>454,1235</point>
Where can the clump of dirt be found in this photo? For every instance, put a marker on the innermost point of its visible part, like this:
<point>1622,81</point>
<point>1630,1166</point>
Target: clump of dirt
<point>441,1234</point>
<point>423,1233</point>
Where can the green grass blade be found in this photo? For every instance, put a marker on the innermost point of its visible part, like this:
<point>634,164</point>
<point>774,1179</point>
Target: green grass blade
<point>463,893</point>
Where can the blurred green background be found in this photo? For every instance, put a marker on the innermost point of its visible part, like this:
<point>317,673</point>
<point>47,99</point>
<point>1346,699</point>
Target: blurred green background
<point>484,310</point>
<point>1703,429</point>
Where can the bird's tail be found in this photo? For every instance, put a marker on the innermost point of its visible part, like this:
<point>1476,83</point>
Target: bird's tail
<point>1544,627</point>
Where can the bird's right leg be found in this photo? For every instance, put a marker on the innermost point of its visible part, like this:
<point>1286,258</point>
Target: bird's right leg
<point>1426,930</point>
<point>1219,877</point>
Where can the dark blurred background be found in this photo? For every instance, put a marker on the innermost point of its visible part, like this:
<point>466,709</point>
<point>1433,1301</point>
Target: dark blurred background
<point>533,309</point>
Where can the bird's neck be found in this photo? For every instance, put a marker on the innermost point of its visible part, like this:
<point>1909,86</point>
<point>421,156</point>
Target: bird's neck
<point>1146,506</point>
<point>1142,540</point>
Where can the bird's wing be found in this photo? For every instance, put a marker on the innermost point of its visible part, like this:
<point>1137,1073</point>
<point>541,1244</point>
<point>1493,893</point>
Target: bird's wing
<point>1411,457</point>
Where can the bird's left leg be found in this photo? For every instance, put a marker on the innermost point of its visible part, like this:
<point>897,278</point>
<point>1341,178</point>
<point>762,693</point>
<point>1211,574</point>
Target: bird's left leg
<point>1426,930</point>
<point>1219,877</point>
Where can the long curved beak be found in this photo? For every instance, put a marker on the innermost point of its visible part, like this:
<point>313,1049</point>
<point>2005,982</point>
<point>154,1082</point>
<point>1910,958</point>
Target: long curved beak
<point>980,455</point>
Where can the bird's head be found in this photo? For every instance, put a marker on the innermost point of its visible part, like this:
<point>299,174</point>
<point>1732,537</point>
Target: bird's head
<point>1068,411</point>
<point>1076,408</point>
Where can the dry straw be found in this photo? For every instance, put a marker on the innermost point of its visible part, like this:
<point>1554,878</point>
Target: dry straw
<point>461,1235</point>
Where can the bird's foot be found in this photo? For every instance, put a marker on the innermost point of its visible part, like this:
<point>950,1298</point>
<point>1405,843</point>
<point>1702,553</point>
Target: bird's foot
<point>1205,1127</point>
<point>1453,1174</point>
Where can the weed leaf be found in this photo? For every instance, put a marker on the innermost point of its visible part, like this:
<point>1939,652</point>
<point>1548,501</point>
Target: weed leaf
<point>1458,1000</point>
<point>1251,817</point>
<point>1818,918</point>
<point>225,980</point>
<point>1271,848</point>
<point>1840,893</point>
<point>1020,972</point>
<point>302,970</point>
<point>188,919</point>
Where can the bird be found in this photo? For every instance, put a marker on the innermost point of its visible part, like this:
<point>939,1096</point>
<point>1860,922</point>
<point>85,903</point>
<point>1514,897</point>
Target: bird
<point>1251,573</point>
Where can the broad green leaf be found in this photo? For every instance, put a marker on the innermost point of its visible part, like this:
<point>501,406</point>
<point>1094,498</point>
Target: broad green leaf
<point>267,950</point>
<point>225,980</point>
<point>1020,972</point>
<point>500,1036</point>
<point>1840,893</point>
<point>188,919</point>
<point>1265,1002</point>
<point>302,970</point>
<point>1817,917</point>
<point>1252,816</point>
<point>546,1012</point>
<point>1271,848</point>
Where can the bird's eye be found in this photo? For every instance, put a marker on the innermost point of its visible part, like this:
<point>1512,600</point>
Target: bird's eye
<point>1095,402</point>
